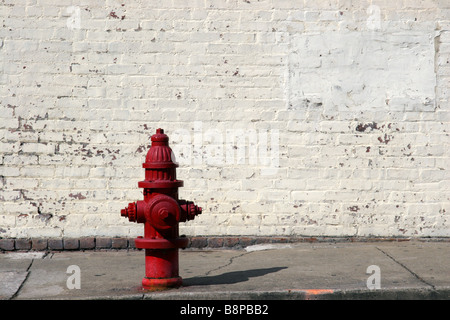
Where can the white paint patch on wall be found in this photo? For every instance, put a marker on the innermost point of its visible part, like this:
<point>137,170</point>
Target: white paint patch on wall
<point>362,71</point>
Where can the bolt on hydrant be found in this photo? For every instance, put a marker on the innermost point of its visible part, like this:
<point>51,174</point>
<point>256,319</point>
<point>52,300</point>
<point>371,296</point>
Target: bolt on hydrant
<point>161,211</point>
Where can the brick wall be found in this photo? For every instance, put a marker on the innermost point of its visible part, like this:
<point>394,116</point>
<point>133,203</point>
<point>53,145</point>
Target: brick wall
<point>304,118</point>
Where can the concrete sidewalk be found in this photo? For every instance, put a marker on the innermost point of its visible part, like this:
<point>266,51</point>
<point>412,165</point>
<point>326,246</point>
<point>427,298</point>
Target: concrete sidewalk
<point>408,270</point>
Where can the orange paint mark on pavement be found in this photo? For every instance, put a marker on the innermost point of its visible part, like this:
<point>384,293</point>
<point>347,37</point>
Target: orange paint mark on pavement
<point>309,293</point>
<point>318,291</point>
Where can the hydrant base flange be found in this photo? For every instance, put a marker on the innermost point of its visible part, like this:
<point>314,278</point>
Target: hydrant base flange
<point>155,284</point>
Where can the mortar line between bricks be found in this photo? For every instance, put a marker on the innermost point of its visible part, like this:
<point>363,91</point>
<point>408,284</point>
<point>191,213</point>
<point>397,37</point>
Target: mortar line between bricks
<point>230,261</point>
<point>408,269</point>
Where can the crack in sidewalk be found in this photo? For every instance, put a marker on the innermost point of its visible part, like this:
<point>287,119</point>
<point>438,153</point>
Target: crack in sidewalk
<point>28,274</point>
<point>230,261</point>
<point>408,269</point>
<point>23,282</point>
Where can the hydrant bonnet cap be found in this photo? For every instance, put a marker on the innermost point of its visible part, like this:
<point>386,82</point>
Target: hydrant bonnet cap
<point>160,153</point>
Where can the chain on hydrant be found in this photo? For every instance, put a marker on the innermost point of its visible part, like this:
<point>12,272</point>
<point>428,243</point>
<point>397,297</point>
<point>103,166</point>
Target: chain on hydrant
<point>161,211</point>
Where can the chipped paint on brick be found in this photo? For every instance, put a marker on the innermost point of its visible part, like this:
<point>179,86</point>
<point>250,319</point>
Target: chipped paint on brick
<point>362,115</point>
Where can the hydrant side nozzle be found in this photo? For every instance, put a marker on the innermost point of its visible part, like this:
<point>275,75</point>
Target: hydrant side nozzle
<point>129,212</point>
<point>189,210</point>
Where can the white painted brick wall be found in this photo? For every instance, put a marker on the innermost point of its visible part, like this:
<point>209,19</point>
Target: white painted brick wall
<point>344,105</point>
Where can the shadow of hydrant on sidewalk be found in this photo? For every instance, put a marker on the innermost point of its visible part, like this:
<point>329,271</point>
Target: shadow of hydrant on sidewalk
<point>230,277</point>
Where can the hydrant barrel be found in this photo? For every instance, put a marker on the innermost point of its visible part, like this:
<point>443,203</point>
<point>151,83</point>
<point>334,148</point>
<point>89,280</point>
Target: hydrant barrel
<point>161,212</point>
<point>163,266</point>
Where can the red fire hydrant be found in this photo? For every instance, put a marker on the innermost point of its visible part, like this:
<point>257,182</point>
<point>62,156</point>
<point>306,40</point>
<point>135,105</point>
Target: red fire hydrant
<point>161,211</point>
